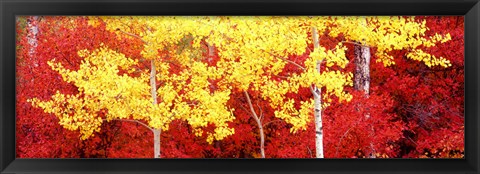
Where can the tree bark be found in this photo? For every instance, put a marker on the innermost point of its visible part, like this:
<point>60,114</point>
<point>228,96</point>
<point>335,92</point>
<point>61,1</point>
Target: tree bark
<point>362,78</point>
<point>32,26</point>
<point>362,68</point>
<point>211,50</point>
<point>156,140</point>
<point>317,96</point>
<point>156,132</point>
<point>259,124</point>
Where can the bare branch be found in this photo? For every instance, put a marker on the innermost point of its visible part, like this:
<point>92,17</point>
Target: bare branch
<point>310,152</point>
<point>261,111</point>
<point>133,121</point>
<point>289,61</point>
<point>273,121</point>
<point>254,114</point>
<point>355,43</point>
<point>345,134</point>
<point>286,60</point>
<point>133,35</point>
<point>313,92</point>
<point>244,109</point>
<point>259,124</point>
<point>412,141</point>
<point>301,67</point>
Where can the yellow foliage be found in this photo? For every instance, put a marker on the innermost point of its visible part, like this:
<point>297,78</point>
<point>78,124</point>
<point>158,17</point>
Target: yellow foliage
<point>125,97</point>
<point>252,51</point>
<point>388,33</point>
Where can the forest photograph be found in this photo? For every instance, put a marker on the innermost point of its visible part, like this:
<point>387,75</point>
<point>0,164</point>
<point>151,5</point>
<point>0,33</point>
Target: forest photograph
<point>240,87</point>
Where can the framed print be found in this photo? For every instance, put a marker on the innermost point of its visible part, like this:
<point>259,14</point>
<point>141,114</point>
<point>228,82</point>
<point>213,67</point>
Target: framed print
<point>239,87</point>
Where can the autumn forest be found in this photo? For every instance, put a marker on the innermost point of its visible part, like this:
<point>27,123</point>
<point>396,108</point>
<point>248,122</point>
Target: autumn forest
<point>240,87</point>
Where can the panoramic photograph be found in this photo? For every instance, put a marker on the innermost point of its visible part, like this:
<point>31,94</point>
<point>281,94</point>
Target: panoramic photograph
<point>240,87</point>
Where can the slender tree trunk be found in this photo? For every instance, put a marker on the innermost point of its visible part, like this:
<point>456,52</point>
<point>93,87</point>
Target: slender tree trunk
<point>32,26</point>
<point>156,140</point>
<point>317,96</point>
<point>210,52</point>
<point>156,132</point>
<point>362,77</point>
<point>259,124</point>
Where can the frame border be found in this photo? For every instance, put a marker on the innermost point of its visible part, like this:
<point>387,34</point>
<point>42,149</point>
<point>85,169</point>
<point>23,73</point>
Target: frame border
<point>470,9</point>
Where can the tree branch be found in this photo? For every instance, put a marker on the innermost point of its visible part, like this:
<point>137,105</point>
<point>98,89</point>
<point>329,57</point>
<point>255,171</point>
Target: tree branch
<point>133,121</point>
<point>254,114</point>
<point>289,61</point>
<point>313,92</point>
<point>286,60</point>
<point>259,123</point>
<point>284,77</point>
<point>261,111</point>
<point>271,122</point>
<point>412,140</point>
<point>310,152</point>
<point>133,35</point>
<point>355,43</point>
<point>345,134</point>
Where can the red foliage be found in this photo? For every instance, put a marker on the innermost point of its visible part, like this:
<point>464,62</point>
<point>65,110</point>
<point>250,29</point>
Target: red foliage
<point>431,100</point>
<point>412,110</point>
<point>38,134</point>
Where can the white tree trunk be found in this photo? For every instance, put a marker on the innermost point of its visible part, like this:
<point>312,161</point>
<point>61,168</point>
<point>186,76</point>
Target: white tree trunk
<point>259,125</point>
<point>156,142</point>
<point>156,132</point>
<point>262,137</point>
<point>317,95</point>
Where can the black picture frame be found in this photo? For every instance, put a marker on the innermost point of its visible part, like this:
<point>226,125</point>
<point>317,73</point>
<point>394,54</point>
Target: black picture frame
<point>10,8</point>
